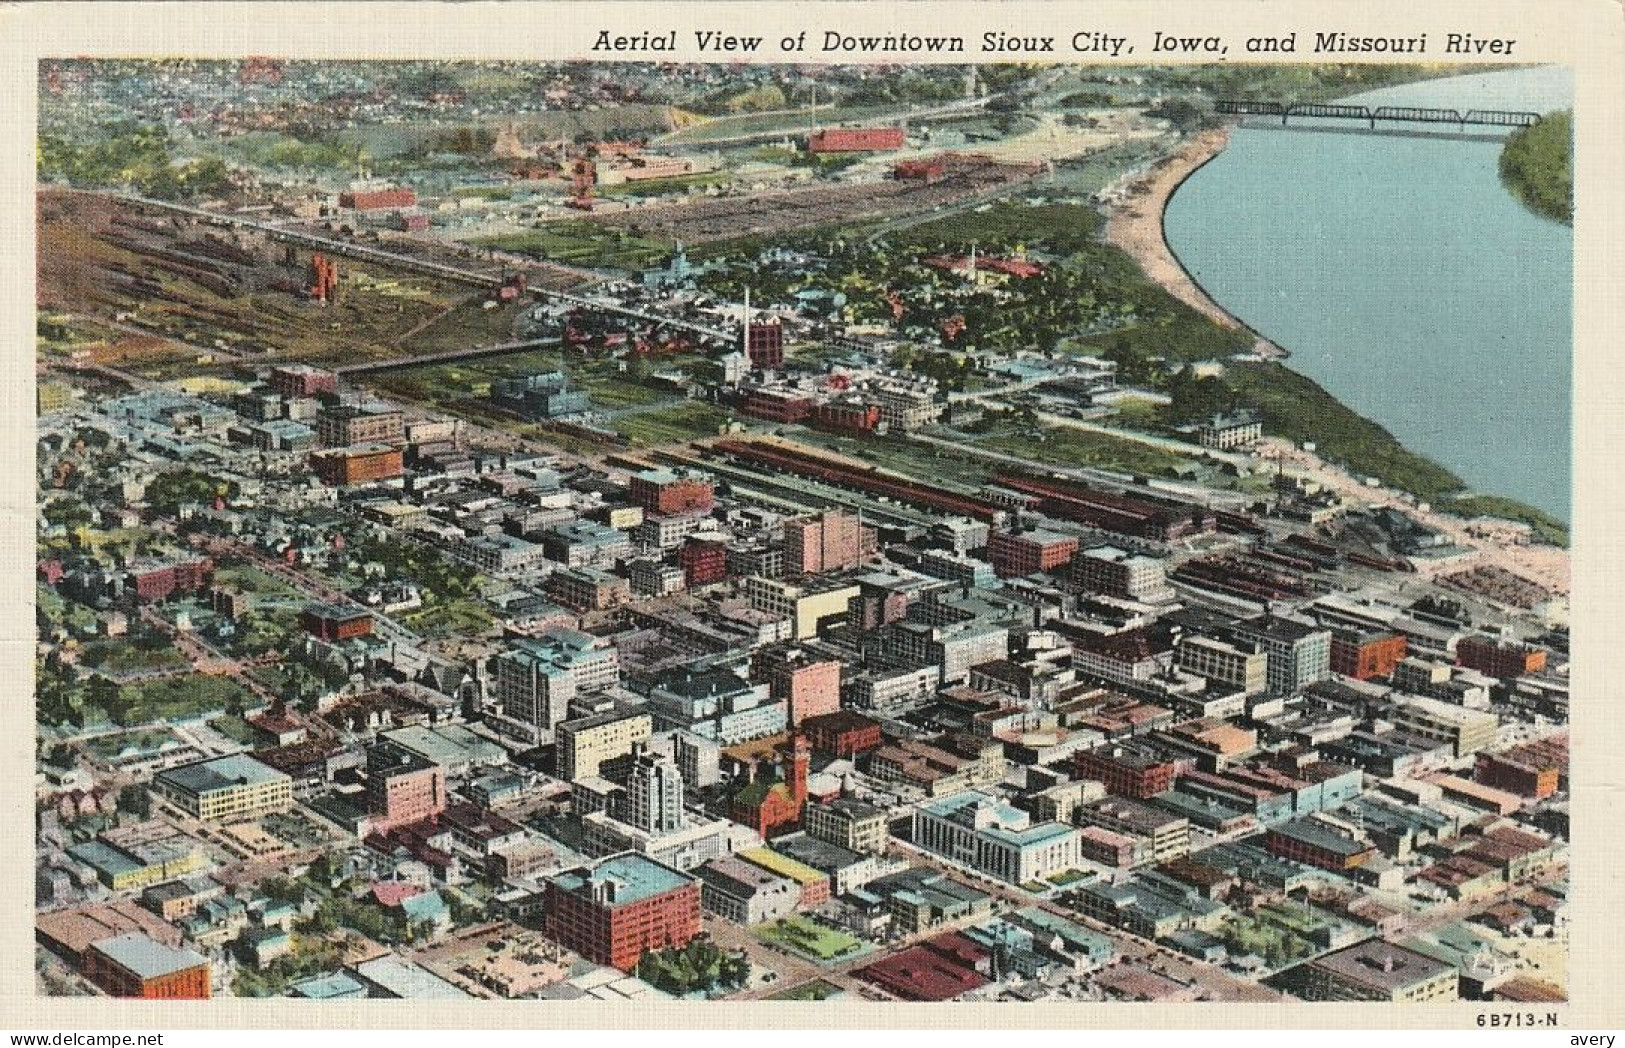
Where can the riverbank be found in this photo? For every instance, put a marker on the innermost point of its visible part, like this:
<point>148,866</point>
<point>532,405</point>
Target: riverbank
<point>1297,407</point>
<point>1134,209</point>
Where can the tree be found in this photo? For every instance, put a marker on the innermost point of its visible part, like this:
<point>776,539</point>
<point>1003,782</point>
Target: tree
<point>134,800</point>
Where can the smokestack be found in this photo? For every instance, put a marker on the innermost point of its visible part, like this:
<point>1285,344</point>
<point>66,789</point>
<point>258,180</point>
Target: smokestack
<point>744,331</point>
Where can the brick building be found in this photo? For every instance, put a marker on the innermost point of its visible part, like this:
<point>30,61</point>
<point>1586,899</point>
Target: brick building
<point>1018,553</point>
<point>771,806</point>
<point>357,465</point>
<point>703,561</point>
<point>667,492</point>
<point>1364,655</point>
<point>331,623</point>
<point>135,966</point>
<point>155,582</point>
<point>402,787</point>
<point>377,199</point>
<point>764,345</point>
<point>1535,769</point>
<point>614,911</point>
<point>1318,842</point>
<point>1126,773</point>
<point>588,589</point>
<point>842,733</point>
<point>856,140</point>
<point>1497,659</point>
<point>828,542</point>
<point>301,380</point>
<point>811,686</point>
<point>343,425</point>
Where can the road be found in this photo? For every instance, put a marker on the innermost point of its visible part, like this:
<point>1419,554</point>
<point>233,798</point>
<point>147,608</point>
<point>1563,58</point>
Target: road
<point>1220,985</point>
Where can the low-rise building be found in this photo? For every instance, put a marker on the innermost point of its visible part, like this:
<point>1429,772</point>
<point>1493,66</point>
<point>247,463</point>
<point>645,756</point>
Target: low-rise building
<point>745,893</point>
<point>849,823</point>
<point>225,789</point>
<point>977,830</point>
<point>135,966</point>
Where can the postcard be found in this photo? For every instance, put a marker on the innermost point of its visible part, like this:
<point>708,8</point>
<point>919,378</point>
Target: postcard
<point>614,515</point>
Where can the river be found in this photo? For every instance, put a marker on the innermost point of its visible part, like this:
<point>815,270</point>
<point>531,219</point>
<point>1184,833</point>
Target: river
<point>1404,278</point>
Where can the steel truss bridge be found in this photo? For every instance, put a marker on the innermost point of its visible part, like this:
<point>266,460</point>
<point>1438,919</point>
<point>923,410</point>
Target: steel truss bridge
<point>1397,114</point>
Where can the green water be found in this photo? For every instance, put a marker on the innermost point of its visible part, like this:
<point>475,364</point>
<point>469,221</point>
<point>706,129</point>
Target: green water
<point>1405,279</point>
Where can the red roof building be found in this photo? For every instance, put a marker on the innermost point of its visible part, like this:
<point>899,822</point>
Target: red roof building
<point>377,199</point>
<point>1366,655</point>
<point>1018,553</point>
<point>938,969</point>
<point>616,910</point>
<point>669,492</point>
<point>855,140</point>
<point>1499,660</point>
<point>135,966</point>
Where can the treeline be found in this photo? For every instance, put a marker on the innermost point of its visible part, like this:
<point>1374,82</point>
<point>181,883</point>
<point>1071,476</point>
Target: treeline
<point>136,155</point>
<point>1537,164</point>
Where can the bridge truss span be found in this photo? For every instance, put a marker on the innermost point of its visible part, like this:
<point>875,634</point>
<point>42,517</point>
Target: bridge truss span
<point>1386,114</point>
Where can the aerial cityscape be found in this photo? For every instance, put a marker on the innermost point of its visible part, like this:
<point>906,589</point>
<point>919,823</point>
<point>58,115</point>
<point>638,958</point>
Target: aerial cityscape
<point>647,531</point>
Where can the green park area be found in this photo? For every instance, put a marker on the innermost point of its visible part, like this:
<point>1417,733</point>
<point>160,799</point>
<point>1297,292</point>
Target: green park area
<point>816,990</point>
<point>580,242</point>
<point>174,698</point>
<point>802,936</point>
<point>121,658</point>
<point>1064,446</point>
<point>688,420</point>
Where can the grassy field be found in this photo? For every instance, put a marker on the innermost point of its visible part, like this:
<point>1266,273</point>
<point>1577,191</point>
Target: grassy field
<point>462,326</point>
<point>686,421</point>
<point>254,581</point>
<point>577,242</point>
<point>456,618</point>
<point>120,658</point>
<point>175,698</point>
<point>1061,446</point>
<point>817,990</point>
<point>802,936</point>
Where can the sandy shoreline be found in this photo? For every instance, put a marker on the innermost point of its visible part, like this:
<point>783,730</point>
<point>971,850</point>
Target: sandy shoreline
<point>1134,223</point>
<point>1134,209</point>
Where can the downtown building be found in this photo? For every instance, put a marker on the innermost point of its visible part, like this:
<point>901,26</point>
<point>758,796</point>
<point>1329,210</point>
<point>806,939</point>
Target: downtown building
<point>535,681</point>
<point>982,833</point>
<point>616,910</point>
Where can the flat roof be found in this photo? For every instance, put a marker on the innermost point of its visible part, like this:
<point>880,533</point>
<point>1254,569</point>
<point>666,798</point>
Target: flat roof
<point>1381,964</point>
<point>222,773</point>
<point>401,978</point>
<point>145,957</point>
<point>632,877</point>
<point>783,865</point>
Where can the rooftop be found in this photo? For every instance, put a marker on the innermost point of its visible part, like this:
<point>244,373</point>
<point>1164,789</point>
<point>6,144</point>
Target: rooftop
<point>626,879</point>
<point>222,773</point>
<point>146,958</point>
<point>1382,965</point>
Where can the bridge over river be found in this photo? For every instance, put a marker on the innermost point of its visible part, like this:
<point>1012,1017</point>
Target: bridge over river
<point>1395,114</point>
